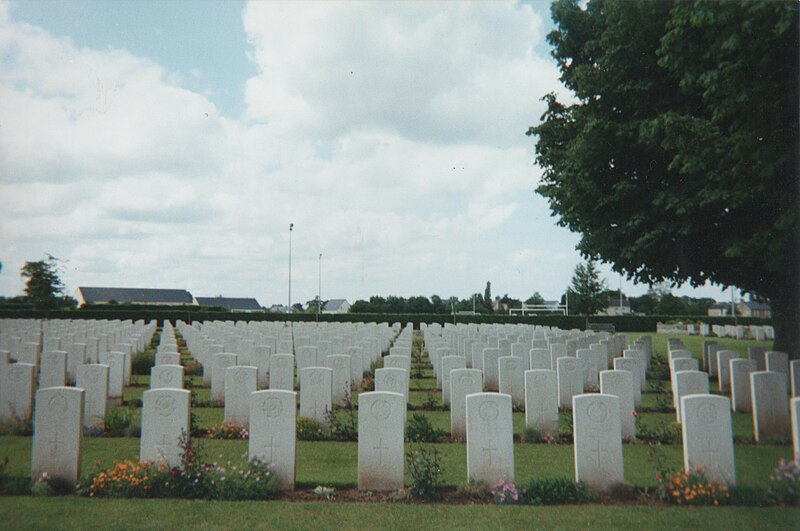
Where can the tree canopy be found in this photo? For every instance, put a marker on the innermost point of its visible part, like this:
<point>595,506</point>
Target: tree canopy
<point>677,157</point>
<point>587,291</point>
<point>44,287</point>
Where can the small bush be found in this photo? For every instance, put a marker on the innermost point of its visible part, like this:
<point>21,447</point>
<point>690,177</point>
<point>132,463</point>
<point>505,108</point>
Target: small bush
<point>473,491</point>
<point>691,488</point>
<point>344,421</point>
<point>555,491</point>
<point>660,433</point>
<point>425,469</point>
<point>784,488</point>
<point>309,429</point>
<point>142,362</point>
<point>745,496</point>
<point>214,481</point>
<point>565,426</point>
<point>532,435</point>
<point>227,430</point>
<point>120,422</point>
<point>507,493</point>
<point>15,426</point>
<point>432,400</point>
<point>419,429</point>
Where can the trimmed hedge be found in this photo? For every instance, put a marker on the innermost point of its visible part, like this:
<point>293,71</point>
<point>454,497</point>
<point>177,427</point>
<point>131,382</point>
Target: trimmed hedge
<point>624,323</point>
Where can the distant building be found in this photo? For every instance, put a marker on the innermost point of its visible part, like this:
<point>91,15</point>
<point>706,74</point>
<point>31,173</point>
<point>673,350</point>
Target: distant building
<point>753,309</point>
<point>165,297</point>
<point>279,308</point>
<point>719,309</point>
<point>614,307</point>
<point>336,306</point>
<point>236,304</point>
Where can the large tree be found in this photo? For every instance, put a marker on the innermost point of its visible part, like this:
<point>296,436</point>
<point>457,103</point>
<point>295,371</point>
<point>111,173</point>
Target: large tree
<point>676,158</point>
<point>44,287</point>
<point>587,294</point>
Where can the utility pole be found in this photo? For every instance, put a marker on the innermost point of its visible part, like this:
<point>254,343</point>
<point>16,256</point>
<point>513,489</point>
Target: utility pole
<point>291,226</point>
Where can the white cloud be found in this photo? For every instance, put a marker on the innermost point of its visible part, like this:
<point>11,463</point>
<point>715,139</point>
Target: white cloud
<point>391,134</point>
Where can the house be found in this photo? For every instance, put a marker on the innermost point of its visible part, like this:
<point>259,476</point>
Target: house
<point>336,306</point>
<point>279,308</point>
<point>719,309</point>
<point>753,309</point>
<point>236,304</point>
<point>161,297</point>
<point>614,307</point>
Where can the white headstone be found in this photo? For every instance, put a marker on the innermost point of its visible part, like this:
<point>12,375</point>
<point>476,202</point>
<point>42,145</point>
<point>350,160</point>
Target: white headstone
<point>273,433</point>
<point>463,382</point>
<point>165,416</point>
<point>541,401</point>
<point>620,384</point>
<point>392,380</point>
<point>794,380</point>
<point>511,377</point>
<point>796,429</point>
<point>740,370</point>
<point>316,393</point>
<point>724,369</point>
<point>689,383</point>
<point>450,363</point>
<point>597,441</point>
<point>340,378</point>
<point>166,377</point>
<point>490,438</point>
<point>281,372</point>
<point>220,363</point>
<point>240,382</point>
<point>93,378</point>
<point>16,391</point>
<point>168,358</point>
<point>570,380</point>
<point>491,368</point>
<point>632,366</point>
<point>53,369</point>
<point>708,436</point>
<point>540,358</point>
<point>58,434</point>
<point>770,404</point>
<point>380,441</point>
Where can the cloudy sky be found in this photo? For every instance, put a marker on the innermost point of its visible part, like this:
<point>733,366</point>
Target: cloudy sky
<point>171,144</point>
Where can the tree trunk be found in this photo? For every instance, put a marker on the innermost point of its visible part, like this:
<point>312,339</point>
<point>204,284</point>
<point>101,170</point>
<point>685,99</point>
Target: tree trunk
<point>785,307</point>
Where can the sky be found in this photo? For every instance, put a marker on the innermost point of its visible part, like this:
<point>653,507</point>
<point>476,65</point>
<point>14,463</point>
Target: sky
<point>170,144</point>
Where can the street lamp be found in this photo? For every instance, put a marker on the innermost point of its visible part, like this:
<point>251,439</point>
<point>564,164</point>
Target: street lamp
<point>291,226</point>
<point>319,287</point>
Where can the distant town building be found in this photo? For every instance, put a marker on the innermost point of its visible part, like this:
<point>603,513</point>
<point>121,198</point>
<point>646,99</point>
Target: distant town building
<point>164,297</point>
<point>336,306</point>
<point>719,309</point>
<point>614,307</point>
<point>236,304</point>
<point>753,309</point>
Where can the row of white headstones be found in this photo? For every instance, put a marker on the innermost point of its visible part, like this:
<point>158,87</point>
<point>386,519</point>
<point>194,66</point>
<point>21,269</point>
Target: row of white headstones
<point>488,460</point>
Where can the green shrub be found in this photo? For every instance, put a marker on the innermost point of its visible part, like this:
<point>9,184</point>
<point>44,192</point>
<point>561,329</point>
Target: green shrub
<point>425,469</point>
<point>419,429</point>
<point>659,433</point>
<point>343,421</point>
<point>309,429</point>
<point>249,480</point>
<point>15,426</point>
<point>784,483</point>
<point>142,362</point>
<point>555,491</point>
<point>120,422</point>
<point>745,496</point>
<point>532,435</point>
<point>473,490</point>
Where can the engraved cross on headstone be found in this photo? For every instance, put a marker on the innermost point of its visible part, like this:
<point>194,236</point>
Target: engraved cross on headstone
<point>271,446</point>
<point>54,443</point>
<point>161,447</point>
<point>598,451</point>
<point>380,448</point>
<point>489,449</point>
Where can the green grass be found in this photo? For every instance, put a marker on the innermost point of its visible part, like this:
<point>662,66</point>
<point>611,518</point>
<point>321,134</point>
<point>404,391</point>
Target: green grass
<point>82,513</point>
